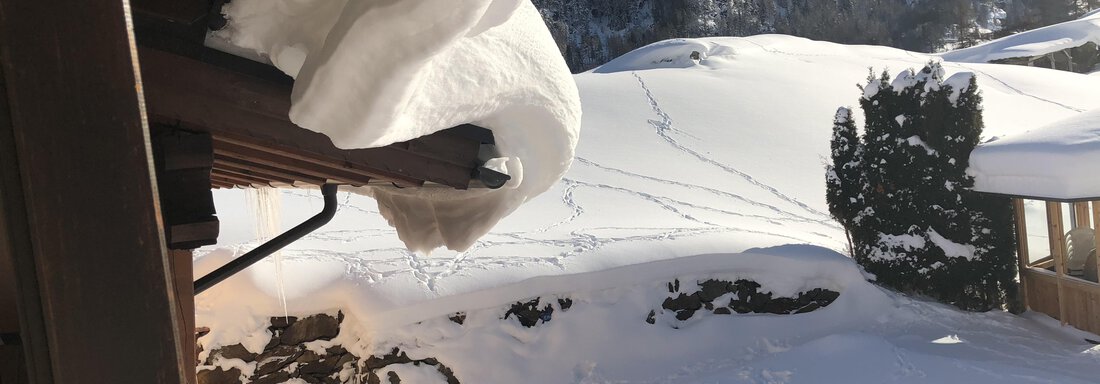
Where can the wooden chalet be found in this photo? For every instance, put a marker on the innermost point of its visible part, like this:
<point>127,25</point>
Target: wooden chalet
<point>115,123</point>
<point>1050,173</point>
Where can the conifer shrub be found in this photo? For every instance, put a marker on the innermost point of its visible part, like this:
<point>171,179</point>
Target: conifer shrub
<point>902,193</point>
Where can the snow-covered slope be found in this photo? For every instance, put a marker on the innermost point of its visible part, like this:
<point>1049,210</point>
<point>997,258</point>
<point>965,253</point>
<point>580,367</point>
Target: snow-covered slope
<point>1037,42</point>
<point>676,158</point>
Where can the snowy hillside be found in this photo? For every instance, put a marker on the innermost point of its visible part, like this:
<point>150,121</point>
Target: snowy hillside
<point>677,158</point>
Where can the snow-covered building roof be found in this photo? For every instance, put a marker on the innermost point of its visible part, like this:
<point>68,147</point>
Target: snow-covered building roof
<point>1036,42</point>
<point>1060,161</point>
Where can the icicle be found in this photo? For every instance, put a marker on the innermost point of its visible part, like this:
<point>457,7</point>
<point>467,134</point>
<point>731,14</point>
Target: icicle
<point>266,204</point>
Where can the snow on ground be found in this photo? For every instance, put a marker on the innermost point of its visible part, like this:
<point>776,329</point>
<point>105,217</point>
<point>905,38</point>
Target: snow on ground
<point>1055,161</point>
<point>1036,42</point>
<point>677,158</point>
<point>369,74</point>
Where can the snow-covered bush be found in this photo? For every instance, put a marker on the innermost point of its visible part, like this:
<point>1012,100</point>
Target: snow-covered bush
<point>904,196</point>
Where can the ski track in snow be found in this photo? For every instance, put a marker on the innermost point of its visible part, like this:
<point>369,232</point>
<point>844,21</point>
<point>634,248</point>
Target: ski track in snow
<point>1017,90</point>
<point>665,125</point>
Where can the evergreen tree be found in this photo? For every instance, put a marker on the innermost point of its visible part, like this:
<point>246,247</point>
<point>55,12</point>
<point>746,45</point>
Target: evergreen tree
<point>844,176</point>
<point>921,228</point>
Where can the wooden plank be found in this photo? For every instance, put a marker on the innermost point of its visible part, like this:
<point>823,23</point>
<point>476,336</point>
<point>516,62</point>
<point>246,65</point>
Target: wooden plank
<point>251,179</point>
<point>1043,292</point>
<point>89,202</point>
<point>1022,256</point>
<point>1096,234</point>
<point>15,240</point>
<point>182,267</point>
<point>248,182</point>
<point>267,171</point>
<point>196,95</point>
<point>1058,251</point>
<point>231,170</point>
<point>361,171</point>
<point>273,160</point>
<point>1082,213</point>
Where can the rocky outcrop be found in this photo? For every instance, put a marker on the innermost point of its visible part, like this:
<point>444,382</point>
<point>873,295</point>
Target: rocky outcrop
<point>742,296</point>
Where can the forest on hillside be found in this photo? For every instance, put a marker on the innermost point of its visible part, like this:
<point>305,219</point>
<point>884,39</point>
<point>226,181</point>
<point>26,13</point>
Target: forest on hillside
<point>591,32</point>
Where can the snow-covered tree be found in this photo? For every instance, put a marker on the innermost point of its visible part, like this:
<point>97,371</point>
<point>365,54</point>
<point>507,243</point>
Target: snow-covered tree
<point>844,177</point>
<point>918,226</point>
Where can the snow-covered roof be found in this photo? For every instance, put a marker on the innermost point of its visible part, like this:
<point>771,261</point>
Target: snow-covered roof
<point>1060,161</point>
<point>369,74</point>
<point>1036,42</point>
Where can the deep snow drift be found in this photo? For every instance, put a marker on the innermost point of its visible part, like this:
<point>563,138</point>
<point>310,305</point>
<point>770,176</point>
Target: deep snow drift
<point>369,74</point>
<point>1036,42</point>
<point>677,158</point>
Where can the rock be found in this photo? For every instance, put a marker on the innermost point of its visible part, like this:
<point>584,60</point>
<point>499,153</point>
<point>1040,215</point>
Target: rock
<point>528,313</point>
<point>651,318</point>
<point>708,306</point>
<point>721,311</point>
<point>316,327</point>
<point>780,306</point>
<point>685,314</point>
<point>758,300</point>
<point>712,289</point>
<point>276,359</point>
<point>218,376</point>
<point>235,351</point>
<point>682,302</point>
<point>808,308</point>
<point>458,318</point>
<point>201,331</point>
<point>565,304</point>
<point>282,322</point>
<point>277,377</point>
<point>393,378</point>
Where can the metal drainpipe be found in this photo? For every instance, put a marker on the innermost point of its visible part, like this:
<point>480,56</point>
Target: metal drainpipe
<point>273,245</point>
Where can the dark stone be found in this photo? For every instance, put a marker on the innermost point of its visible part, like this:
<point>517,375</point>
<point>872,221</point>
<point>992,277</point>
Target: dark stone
<point>277,377</point>
<point>565,304</point>
<point>670,289</point>
<point>683,302</point>
<point>758,300</point>
<point>458,317</point>
<point>808,308</point>
<point>685,314</point>
<point>528,313</point>
<point>235,351</point>
<point>201,331</point>
<point>274,342</point>
<point>708,306</point>
<point>780,306</point>
<point>721,311</point>
<point>712,289</point>
<point>336,350</point>
<point>393,377</point>
<point>316,327</point>
<point>740,306</point>
<point>282,322</point>
<point>651,318</point>
<point>276,359</point>
<point>676,285</point>
<point>218,376</point>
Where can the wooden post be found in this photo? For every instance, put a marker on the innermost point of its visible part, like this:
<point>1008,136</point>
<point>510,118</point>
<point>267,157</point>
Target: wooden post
<point>1082,215</point>
<point>77,200</point>
<point>1096,229</point>
<point>182,267</point>
<point>1058,252</point>
<point>1022,256</point>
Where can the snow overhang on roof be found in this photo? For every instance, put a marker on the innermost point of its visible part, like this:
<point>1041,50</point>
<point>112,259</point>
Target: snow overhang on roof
<point>1036,42</point>
<point>1060,161</point>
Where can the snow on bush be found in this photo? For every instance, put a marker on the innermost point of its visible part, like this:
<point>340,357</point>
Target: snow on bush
<point>905,197</point>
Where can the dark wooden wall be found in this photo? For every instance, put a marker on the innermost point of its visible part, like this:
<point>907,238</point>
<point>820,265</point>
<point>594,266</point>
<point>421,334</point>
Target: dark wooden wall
<point>79,208</point>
